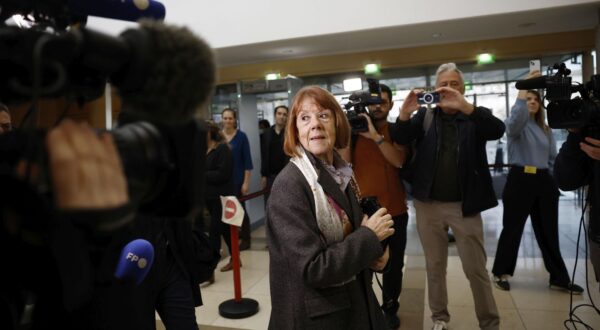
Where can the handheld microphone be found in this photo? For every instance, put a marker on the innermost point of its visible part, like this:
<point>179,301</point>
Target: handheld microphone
<point>534,83</point>
<point>135,261</point>
<point>125,10</point>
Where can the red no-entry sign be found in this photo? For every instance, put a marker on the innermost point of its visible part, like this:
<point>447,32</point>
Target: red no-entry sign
<point>230,209</point>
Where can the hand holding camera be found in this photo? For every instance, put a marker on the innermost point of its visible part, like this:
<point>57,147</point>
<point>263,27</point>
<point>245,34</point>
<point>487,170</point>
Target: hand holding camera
<point>591,147</point>
<point>533,74</point>
<point>410,105</point>
<point>371,132</point>
<point>86,169</point>
<point>380,223</point>
<point>452,99</point>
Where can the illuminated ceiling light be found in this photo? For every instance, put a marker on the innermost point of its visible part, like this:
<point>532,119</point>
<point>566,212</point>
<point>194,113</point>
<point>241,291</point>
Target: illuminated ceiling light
<point>372,68</point>
<point>352,84</point>
<point>272,76</point>
<point>486,58</point>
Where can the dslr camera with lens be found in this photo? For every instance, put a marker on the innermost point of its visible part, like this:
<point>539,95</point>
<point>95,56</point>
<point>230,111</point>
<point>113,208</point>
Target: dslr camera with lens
<point>359,102</point>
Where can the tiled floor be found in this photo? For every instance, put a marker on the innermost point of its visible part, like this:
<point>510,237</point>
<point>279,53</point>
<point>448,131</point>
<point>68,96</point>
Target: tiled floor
<point>529,304</point>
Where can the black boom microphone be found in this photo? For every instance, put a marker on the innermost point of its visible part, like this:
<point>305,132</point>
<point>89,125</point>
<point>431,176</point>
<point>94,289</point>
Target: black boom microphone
<point>534,83</point>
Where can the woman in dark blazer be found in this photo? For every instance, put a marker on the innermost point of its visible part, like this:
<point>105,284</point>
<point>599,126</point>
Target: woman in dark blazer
<point>219,182</point>
<point>322,249</point>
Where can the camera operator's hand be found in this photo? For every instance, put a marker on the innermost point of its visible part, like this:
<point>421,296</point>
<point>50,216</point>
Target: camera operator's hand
<point>372,132</point>
<point>86,170</point>
<point>379,263</point>
<point>380,223</point>
<point>591,147</point>
<point>410,104</point>
<point>452,99</point>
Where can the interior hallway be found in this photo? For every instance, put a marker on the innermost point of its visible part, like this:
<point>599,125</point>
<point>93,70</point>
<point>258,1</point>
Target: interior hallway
<point>529,304</point>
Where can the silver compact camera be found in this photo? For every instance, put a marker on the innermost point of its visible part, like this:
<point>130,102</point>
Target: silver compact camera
<point>428,98</point>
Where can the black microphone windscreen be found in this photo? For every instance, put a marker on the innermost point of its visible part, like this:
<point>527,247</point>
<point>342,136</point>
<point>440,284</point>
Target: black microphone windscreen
<point>175,72</point>
<point>533,83</point>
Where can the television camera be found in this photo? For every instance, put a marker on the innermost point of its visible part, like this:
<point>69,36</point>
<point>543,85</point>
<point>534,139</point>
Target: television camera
<point>563,111</point>
<point>161,85</point>
<point>50,60</point>
<point>359,102</point>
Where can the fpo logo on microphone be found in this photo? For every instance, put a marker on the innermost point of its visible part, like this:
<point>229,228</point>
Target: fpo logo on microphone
<point>135,261</point>
<point>141,262</point>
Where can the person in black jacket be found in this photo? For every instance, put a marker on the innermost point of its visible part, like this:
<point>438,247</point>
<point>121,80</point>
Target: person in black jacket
<point>576,165</point>
<point>274,158</point>
<point>219,182</point>
<point>451,186</point>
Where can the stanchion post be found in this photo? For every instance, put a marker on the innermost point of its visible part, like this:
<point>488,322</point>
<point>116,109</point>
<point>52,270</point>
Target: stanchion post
<point>238,307</point>
<point>235,256</point>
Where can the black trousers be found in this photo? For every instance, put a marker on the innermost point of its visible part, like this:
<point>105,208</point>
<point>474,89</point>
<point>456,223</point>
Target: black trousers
<point>217,227</point>
<point>534,195</point>
<point>392,279</point>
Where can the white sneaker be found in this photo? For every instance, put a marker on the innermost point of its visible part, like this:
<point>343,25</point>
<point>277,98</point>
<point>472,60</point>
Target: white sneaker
<point>439,325</point>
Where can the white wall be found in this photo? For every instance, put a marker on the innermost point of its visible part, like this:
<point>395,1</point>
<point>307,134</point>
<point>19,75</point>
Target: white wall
<point>233,23</point>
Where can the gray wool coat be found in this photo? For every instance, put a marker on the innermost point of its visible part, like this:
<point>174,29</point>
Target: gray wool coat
<point>305,273</point>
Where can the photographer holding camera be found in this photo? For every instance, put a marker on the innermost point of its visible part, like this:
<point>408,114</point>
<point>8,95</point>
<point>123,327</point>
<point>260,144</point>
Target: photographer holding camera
<point>530,190</point>
<point>451,185</point>
<point>577,165</point>
<point>376,159</point>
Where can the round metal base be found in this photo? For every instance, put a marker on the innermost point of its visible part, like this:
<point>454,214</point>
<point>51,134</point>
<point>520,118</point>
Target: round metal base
<point>238,310</point>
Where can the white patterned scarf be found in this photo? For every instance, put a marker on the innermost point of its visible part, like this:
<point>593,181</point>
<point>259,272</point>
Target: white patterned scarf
<point>328,220</point>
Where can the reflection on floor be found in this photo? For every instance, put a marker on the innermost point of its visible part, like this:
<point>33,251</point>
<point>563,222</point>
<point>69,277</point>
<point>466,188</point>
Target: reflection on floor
<point>529,304</point>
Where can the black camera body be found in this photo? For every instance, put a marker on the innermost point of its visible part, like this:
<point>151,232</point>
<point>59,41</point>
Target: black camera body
<point>428,98</point>
<point>370,205</point>
<point>582,111</point>
<point>358,104</point>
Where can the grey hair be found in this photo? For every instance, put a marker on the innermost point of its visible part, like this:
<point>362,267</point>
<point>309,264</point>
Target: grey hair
<point>448,67</point>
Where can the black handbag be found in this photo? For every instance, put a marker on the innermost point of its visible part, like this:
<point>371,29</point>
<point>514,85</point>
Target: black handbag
<point>205,258</point>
